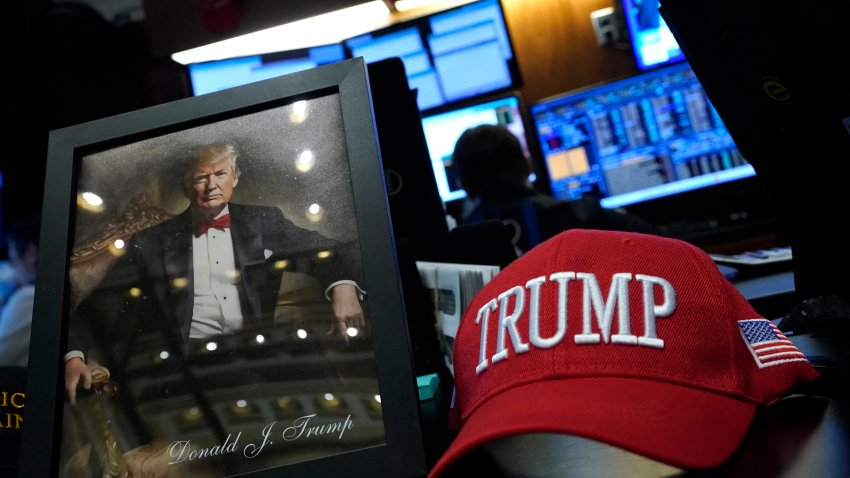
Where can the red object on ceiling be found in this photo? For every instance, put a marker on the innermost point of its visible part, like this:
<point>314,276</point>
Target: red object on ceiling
<point>220,16</point>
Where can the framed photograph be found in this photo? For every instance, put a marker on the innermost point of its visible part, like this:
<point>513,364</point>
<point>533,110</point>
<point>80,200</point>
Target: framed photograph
<point>218,294</point>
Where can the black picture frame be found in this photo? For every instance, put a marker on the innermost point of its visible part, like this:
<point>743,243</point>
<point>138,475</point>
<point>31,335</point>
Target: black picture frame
<point>400,452</point>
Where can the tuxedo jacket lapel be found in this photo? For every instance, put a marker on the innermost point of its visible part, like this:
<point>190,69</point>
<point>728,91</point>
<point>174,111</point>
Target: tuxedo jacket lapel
<point>179,273</point>
<point>246,232</point>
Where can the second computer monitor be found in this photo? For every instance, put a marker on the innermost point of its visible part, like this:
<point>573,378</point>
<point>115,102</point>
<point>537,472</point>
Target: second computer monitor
<point>653,44</point>
<point>645,137</point>
<point>443,130</point>
<point>217,75</point>
<point>449,56</point>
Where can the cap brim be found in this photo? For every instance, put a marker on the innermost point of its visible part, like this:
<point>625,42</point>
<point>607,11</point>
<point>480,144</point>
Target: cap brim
<point>680,426</point>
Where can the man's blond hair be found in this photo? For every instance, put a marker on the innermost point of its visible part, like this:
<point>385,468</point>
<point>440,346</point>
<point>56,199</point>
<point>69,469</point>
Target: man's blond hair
<point>211,155</point>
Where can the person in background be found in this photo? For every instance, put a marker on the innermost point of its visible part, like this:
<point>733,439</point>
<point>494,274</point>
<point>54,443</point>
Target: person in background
<point>494,171</point>
<point>16,314</point>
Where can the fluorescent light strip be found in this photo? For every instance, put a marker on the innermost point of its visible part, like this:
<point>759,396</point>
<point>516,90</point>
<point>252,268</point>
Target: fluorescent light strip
<point>322,29</point>
<point>333,27</point>
<point>405,5</point>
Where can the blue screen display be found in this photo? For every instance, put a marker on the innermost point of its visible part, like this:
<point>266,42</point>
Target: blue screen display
<point>652,42</point>
<point>217,75</point>
<point>645,137</point>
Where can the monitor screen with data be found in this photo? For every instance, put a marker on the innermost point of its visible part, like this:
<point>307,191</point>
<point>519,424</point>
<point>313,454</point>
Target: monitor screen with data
<point>641,138</point>
<point>449,56</point>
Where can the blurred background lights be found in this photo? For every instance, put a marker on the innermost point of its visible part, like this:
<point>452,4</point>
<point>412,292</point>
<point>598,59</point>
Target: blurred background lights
<point>117,247</point>
<point>314,213</point>
<point>192,414</point>
<point>90,201</point>
<point>301,333</point>
<point>180,282</point>
<point>305,161</point>
<point>299,112</point>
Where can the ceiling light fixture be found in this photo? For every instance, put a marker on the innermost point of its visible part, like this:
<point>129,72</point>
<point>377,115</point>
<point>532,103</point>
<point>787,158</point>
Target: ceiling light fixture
<point>321,29</point>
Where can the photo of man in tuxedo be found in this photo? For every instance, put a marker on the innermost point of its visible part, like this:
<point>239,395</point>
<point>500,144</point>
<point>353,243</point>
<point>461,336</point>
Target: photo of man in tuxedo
<point>216,267</point>
<point>222,286</point>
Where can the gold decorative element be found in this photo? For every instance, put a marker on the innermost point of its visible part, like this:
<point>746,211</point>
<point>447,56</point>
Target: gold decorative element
<point>140,214</point>
<point>90,262</point>
<point>100,376</point>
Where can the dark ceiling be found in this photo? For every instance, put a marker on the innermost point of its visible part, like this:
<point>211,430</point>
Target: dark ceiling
<point>67,64</point>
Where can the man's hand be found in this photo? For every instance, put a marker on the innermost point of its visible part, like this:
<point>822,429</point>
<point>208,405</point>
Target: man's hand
<point>75,369</point>
<point>347,309</point>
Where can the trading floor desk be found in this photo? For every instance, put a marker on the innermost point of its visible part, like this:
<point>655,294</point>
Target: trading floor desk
<point>806,434</point>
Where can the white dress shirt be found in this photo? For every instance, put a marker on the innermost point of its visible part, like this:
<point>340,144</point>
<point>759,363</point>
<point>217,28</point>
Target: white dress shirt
<point>216,308</point>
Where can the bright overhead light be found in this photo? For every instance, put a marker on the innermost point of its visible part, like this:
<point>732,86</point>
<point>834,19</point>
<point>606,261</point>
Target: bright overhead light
<point>305,162</point>
<point>298,112</point>
<point>314,213</point>
<point>332,27</point>
<point>90,202</point>
<point>415,8</point>
<point>405,5</point>
<point>92,199</point>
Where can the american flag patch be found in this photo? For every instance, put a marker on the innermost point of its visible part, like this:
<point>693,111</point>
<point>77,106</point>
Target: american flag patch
<point>768,344</point>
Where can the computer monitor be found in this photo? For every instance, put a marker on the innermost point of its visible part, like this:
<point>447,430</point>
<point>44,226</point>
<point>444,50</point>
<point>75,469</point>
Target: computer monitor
<point>216,75</point>
<point>449,56</point>
<point>442,131</point>
<point>652,42</point>
<point>641,138</point>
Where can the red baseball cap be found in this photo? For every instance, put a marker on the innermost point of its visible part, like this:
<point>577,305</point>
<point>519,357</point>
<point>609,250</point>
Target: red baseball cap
<point>629,339</point>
